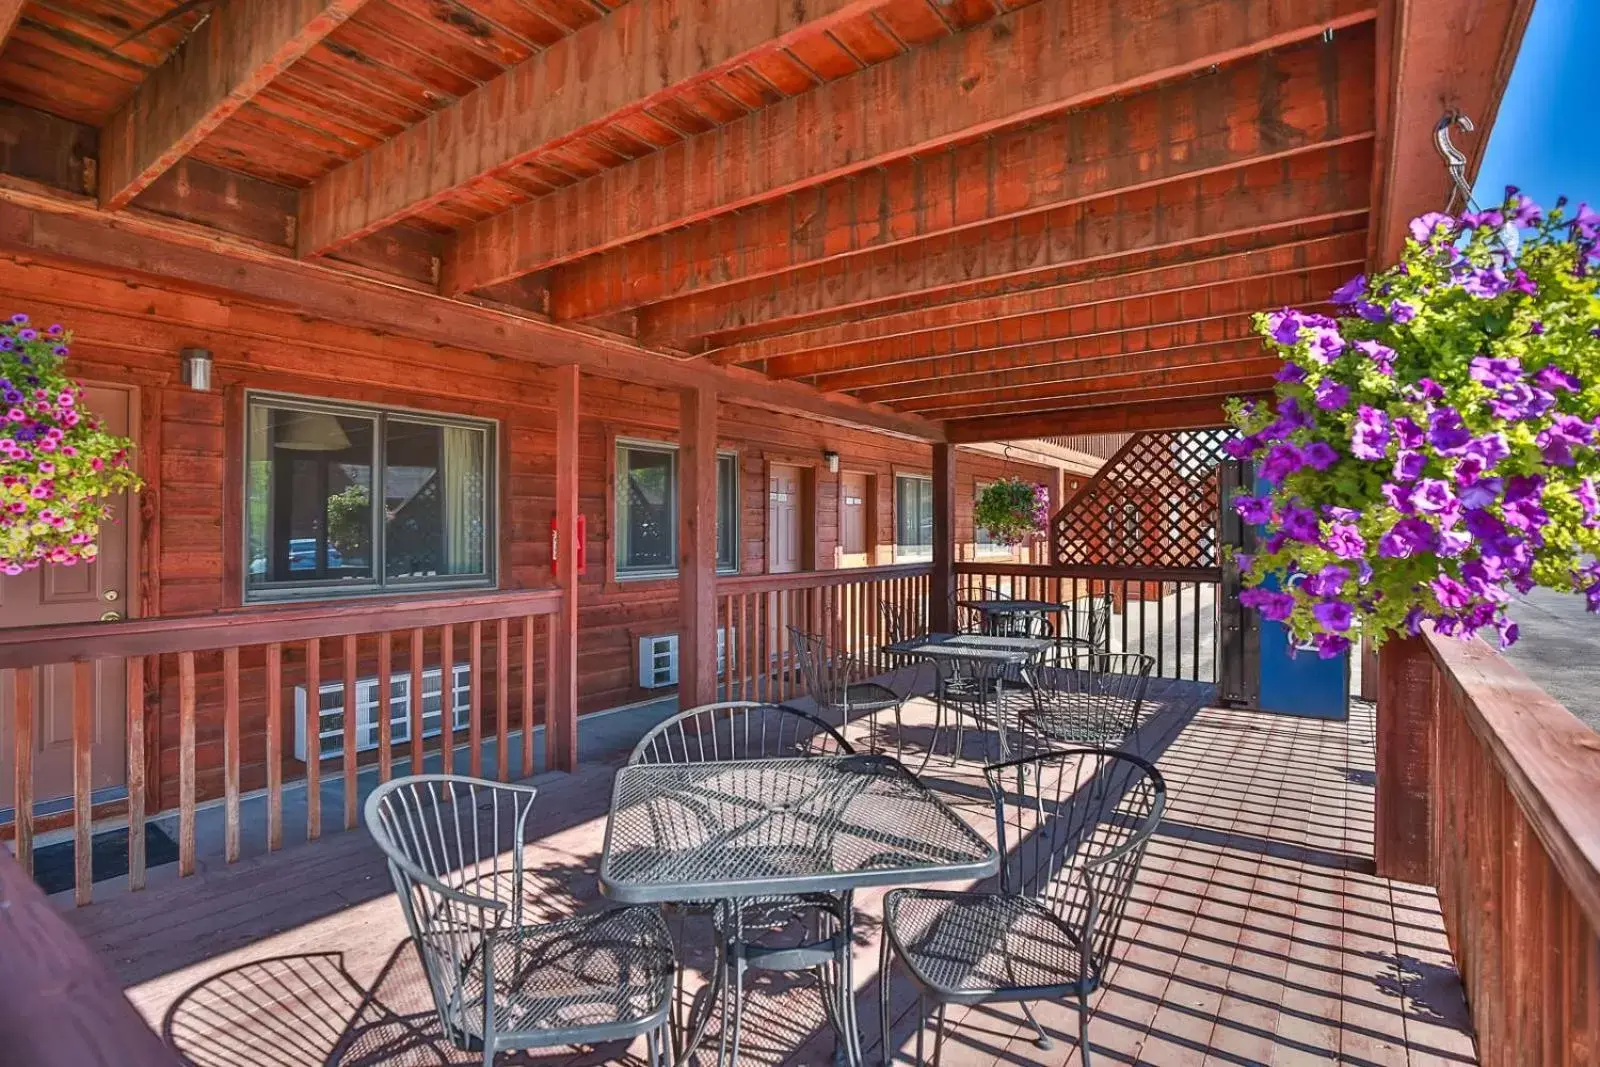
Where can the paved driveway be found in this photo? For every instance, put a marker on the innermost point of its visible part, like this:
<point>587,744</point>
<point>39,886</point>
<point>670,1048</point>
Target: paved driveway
<point>1560,649</point>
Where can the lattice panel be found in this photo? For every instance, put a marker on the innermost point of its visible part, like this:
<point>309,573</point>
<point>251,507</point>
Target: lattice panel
<point>1153,504</point>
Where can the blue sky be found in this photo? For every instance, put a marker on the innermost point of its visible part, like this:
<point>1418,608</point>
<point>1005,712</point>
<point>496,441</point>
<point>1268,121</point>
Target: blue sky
<point>1543,137</point>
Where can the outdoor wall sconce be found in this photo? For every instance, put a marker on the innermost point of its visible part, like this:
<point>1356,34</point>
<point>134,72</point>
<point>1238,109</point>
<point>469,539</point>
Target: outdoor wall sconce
<point>197,369</point>
<point>831,458</point>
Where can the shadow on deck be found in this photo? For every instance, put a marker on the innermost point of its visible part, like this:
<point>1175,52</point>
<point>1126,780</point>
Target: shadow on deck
<point>1258,932</point>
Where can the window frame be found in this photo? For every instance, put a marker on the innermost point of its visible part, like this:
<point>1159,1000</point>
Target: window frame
<point>619,573</point>
<point>378,585</point>
<point>733,565</point>
<point>912,553</point>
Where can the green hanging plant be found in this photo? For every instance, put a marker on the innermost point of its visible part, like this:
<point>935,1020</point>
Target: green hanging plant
<point>1010,509</point>
<point>59,470</point>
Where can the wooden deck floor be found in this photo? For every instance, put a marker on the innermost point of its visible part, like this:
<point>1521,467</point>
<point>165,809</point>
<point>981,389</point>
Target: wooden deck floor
<point>1258,934</point>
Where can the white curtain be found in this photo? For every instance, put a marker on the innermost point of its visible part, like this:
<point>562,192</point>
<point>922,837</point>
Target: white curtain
<point>462,481</point>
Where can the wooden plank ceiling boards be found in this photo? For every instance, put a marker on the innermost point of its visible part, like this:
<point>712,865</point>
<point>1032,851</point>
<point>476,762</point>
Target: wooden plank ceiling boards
<point>947,220</point>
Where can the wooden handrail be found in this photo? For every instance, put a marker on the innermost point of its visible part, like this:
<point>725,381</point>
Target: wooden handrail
<point>59,1007</point>
<point>40,645</point>
<point>1550,760</point>
<point>752,583</point>
<point>1093,573</point>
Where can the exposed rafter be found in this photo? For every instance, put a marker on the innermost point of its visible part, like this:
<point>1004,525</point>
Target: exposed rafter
<point>235,52</point>
<point>1195,413</point>
<point>1341,252</point>
<point>638,55</point>
<point>1045,58</point>
<point>10,11</point>
<point>1230,300</point>
<point>1277,104</point>
<point>1314,187</point>
<point>1014,397</point>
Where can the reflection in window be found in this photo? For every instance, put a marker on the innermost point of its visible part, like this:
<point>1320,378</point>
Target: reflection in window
<point>313,472</point>
<point>727,513</point>
<point>647,509</point>
<point>913,517</point>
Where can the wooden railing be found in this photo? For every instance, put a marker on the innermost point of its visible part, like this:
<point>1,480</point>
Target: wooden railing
<point>219,669</point>
<point>1169,614</point>
<point>755,612</point>
<point>1515,807</point>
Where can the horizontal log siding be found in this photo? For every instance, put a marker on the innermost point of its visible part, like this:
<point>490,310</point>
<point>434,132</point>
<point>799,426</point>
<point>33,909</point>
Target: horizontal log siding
<point>132,332</point>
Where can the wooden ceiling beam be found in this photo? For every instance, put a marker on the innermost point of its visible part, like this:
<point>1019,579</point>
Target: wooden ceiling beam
<point>1313,188</point>
<point>1009,396</point>
<point>230,57</point>
<point>1126,358</point>
<point>133,246</point>
<point>909,309</point>
<point>956,373</point>
<point>1435,56</point>
<point>10,11</point>
<point>1229,300</point>
<point>1045,58</point>
<point>1195,413</point>
<point>1276,104</point>
<point>1343,252</point>
<point>621,65</point>
<point>1130,396</point>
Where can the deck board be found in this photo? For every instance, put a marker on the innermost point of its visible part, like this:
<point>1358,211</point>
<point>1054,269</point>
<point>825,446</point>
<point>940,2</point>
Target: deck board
<point>1258,933</point>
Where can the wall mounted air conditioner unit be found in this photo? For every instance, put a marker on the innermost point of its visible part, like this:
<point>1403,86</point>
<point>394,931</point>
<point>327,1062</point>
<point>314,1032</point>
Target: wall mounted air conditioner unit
<point>330,704</point>
<point>658,659</point>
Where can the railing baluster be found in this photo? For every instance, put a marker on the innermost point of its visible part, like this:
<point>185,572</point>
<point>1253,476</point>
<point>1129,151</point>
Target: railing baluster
<point>82,780</point>
<point>134,695</point>
<point>313,731</point>
<point>528,624</point>
<point>23,683</point>
<point>274,655</point>
<point>185,764</point>
<point>230,753</point>
<point>414,703</point>
<point>447,698</point>
<point>475,714</point>
<point>502,704</point>
<point>385,710</point>
<point>348,761</point>
<point>549,681</point>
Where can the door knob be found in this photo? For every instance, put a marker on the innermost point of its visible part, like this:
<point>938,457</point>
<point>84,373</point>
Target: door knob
<point>111,616</point>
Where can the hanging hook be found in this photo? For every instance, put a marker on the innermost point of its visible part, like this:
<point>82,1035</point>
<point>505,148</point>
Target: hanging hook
<point>1454,160</point>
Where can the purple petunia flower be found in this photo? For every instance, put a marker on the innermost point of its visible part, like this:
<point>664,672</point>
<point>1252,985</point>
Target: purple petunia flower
<point>1555,378</point>
<point>1481,493</point>
<point>1334,615</point>
<point>1524,212</point>
<point>1408,433</point>
<point>1586,222</point>
<point>1350,291</point>
<point>1558,439</point>
<point>1402,312</point>
<point>1590,503</point>
<point>1495,373</point>
<point>1382,355</point>
<point>1366,309</point>
<point>1285,325</point>
<point>1433,496</point>
<point>1242,447</point>
<point>1344,541</point>
<point>1269,602</point>
<point>1328,581</point>
<point>1409,465</point>
<point>1426,228</point>
<point>1283,459</point>
<point>1446,433</point>
<point>1321,455</point>
<point>1255,510</point>
<point>1522,503</point>
<point>1300,524</point>
<point>1369,437</point>
<point>1452,595</point>
<point>1407,537</point>
<point>1331,395</point>
<point>1521,401</point>
<point>1290,373</point>
<point>19,319</point>
<point>1490,219</point>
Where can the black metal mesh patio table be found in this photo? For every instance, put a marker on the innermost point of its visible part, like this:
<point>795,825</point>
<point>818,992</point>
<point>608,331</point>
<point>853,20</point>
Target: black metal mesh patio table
<point>973,676</point>
<point>740,831</point>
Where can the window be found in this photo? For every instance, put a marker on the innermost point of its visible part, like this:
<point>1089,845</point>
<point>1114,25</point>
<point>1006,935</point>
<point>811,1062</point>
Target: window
<point>728,513</point>
<point>647,511</point>
<point>312,473</point>
<point>913,517</point>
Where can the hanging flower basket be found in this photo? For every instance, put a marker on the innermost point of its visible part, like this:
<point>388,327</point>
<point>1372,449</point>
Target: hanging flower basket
<point>58,469</point>
<point>1011,509</point>
<point>1432,448</point>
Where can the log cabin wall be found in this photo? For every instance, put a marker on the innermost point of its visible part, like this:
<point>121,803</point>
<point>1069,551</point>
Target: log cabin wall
<point>130,334</point>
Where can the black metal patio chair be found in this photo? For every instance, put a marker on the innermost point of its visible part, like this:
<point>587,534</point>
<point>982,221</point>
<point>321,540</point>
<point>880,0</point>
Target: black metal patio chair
<point>499,980</point>
<point>845,688</point>
<point>1088,698</point>
<point>1072,836</point>
<point>1086,623</point>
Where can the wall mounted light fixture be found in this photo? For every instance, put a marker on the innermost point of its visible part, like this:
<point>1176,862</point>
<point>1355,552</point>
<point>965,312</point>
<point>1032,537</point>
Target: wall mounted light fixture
<point>831,458</point>
<point>197,369</point>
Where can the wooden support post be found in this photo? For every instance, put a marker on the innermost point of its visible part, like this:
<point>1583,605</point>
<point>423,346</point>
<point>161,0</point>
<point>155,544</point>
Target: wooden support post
<point>697,547</point>
<point>1408,720</point>
<point>561,729</point>
<point>942,582</point>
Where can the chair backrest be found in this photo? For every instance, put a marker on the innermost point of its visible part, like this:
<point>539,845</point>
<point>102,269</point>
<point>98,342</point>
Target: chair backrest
<point>1090,697</point>
<point>828,671</point>
<point>895,627</point>
<point>454,847</point>
<point>1088,619</point>
<point>738,730</point>
<point>1074,832</point>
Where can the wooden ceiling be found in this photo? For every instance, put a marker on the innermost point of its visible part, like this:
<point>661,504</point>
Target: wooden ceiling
<point>947,216</point>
